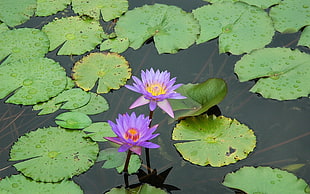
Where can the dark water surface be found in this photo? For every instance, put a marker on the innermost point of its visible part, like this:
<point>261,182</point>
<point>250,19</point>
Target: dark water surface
<point>282,128</point>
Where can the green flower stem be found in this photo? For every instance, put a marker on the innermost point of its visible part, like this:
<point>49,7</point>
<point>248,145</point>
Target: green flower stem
<point>147,150</point>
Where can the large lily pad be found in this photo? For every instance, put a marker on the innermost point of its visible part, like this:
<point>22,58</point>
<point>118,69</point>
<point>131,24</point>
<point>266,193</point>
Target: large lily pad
<point>284,73</point>
<point>265,180</point>
<point>240,29</point>
<point>73,120</point>
<point>76,34</point>
<point>259,3</point>
<point>49,7</point>
<point>290,15</point>
<point>305,37</point>
<point>109,9</point>
<point>53,154</point>
<point>16,12</point>
<point>111,70</point>
<point>33,80</point>
<point>200,97</point>
<point>22,43</point>
<point>142,189</point>
<point>217,141</point>
<point>171,27</point>
<point>19,184</point>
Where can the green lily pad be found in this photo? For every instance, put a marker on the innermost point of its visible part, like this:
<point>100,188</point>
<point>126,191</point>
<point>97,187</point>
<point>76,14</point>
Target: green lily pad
<point>200,97</point>
<point>76,34</point>
<point>142,189</point>
<point>53,154</point>
<point>22,43</point>
<point>73,120</point>
<point>96,131</point>
<point>16,12</point>
<point>110,9</point>
<point>111,70</point>
<point>19,184</point>
<point>284,73</point>
<point>171,27</point>
<point>97,104</point>
<point>3,27</point>
<point>49,7</point>
<point>305,37</point>
<point>33,80</point>
<point>241,28</point>
<point>217,141</point>
<point>290,15</point>
<point>133,166</point>
<point>259,3</point>
<point>117,45</point>
<point>265,180</point>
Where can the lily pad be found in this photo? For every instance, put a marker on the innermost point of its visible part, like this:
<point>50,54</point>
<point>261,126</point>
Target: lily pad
<point>53,154</point>
<point>49,7</point>
<point>117,45</point>
<point>16,12</point>
<point>3,27</point>
<point>259,3</point>
<point>171,27</point>
<point>33,80</point>
<point>290,15</point>
<point>284,73</point>
<point>96,131</point>
<point>110,9</point>
<point>265,180</point>
<point>305,37</point>
<point>73,120</point>
<point>97,104</point>
<point>217,141</point>
<point>200,97</point>
<point>241,28</point>
<point>19,184</point>
<point>142,189</point>
<point>111,70</point>
<point>76,34</point>
<point>23,43</point>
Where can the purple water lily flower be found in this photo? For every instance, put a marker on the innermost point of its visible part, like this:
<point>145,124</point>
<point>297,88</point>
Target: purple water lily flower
<point>133,133</point>
<point>156,88</point>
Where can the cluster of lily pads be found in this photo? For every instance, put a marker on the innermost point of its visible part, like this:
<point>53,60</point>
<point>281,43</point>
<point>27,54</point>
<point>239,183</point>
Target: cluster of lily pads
<point>49,157</point>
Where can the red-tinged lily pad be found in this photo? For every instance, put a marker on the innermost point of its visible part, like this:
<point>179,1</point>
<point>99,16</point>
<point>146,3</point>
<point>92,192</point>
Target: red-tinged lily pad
<point>109,69</point>
<point>215,141</point>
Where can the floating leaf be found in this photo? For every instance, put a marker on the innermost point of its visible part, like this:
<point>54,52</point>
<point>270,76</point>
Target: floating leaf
<point>290,15</point>
<point>133,166</point>
<point>241,28</point>
<point>111,70</point>
<point>217,141</point>
<point>16,12</point>
<point>170,26</point>
<point>97,104</point>
<point>200,97</point>
<point>284,73</point>
<point>49,7</point>
<point>117,45</point>
<point>23,43</point>
<point>73,120</point>
<point>3,28</point>
<point>305,37</point>
<point>33,80</point>
<point>265,180</point>
<point>19,184</point>
<point>110,9</point>
<point>77,35</point>
<point>259,3</point>
<point>142,189</point>
<point>53,154</point>
<point>96,131</point>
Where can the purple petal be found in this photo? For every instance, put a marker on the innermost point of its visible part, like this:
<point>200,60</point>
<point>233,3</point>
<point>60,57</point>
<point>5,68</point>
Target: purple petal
<point>136,149</point>
<point>124,148</point>
<point>149,145</point>
<point>139,102</point>
<point>165,106</point>
<point>116,140</point>
<point>153,105</point>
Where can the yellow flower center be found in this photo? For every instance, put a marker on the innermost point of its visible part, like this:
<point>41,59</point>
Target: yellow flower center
<point>132,134</point>
<point>156,89</point>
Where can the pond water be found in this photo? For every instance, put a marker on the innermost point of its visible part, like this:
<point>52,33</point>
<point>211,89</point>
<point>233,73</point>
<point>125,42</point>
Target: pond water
<point>282,128</point>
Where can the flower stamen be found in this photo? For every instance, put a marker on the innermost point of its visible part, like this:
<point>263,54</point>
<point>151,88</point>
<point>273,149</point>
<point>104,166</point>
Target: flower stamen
<point>132,134</point>
<point>156,89</point>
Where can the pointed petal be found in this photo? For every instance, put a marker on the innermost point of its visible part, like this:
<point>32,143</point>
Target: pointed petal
<point>136,149</point>
<point>149,145</point>
<point>165,106</point>
<point>116,140</point>
<point>153,105</point>
<point>123,148</point>
<point>139,102</point>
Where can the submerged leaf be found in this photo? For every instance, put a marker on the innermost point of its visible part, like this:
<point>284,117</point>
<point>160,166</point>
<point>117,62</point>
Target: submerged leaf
<point>33,80</point>
<point>171,27</point>
<point>111,70</point>
<point>284,73</point>
<point>265,180</point>
<point>217,141</point>
<point>53,154</point>
<point>49,7</point>
<point>73,120</point>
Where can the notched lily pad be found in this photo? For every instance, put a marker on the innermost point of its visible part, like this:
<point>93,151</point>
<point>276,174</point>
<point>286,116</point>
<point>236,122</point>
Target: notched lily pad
<point>265,180</point>
<point>32,80</point>
<point>73,120</point>
<point>284,73</point>
<point>96,131</point>
<point>217,141</point>
<point>49,7</point>
<point>117,45</point>
<point>19,184</point>
<point>171,27</point>
<point>142,189</point>
<point>110,70</point>
<point>76,34</point>
<point>53,154</point>
<point>109,9</point>
<point>241,28</point>
<point>97,104</point>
